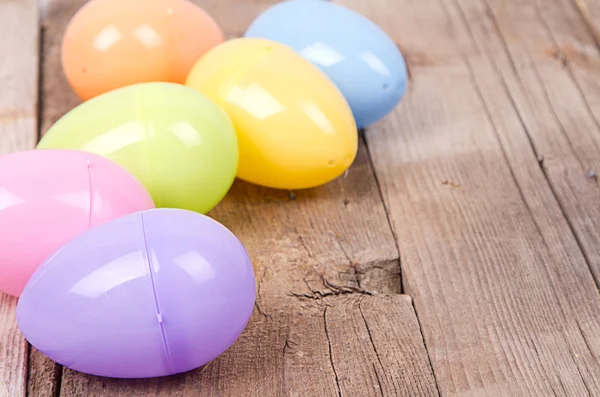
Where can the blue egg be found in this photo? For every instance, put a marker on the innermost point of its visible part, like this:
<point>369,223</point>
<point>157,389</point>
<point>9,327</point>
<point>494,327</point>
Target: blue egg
<point>356,54</point>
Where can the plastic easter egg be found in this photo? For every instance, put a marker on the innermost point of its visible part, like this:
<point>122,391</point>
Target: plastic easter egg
<point>109,44</point>
<point>356,54</point>
<point>295,129</point>
<point>177,142</point>
<point>47,197</point>
<point>151,294</point>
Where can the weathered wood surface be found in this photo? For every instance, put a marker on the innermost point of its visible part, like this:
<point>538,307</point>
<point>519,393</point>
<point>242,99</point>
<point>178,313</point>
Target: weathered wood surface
<point>43,375</point>
<point>556,80</point>
<point>349,345</point>
<point>488,171</point>
<point>504,295</point>
<point>310,249</point>
<point>19,49</point>
<point>18,131</point>
<point>13,351</point>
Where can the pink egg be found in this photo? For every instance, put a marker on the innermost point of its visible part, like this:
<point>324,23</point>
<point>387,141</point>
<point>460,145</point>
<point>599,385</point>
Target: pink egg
<point>47,197</point>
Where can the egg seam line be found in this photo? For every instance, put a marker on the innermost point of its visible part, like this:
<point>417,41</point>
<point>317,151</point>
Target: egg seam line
<point>241,71</point>
<point>88,164</point>
<point>157,305</point>
<point>140,117</point>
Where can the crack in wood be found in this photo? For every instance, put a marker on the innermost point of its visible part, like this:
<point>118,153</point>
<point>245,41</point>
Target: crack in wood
<point>286,345</point>
<point>374,349</point>
<point>388,214</point>
<point>337,379</point>
<point>333,290</point>
<point>379,381</point>
<point>422,336</point>
<point>584,382</point>
<point>353,265</point>
<point>40,84</point>
<point>309,253</point>
<point>585,341</point>
<point>356,271</point>
<point>28,374</point>
<point>259,310</point>
<point>539,359</point>
<point>259,296</point>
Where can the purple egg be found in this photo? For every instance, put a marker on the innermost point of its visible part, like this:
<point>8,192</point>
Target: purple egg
<point>153,293</point>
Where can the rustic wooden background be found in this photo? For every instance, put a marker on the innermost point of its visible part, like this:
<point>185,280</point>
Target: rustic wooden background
<point>460,255</point>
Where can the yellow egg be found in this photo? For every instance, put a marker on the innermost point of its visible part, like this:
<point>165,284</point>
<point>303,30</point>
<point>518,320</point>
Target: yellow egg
<point>295,129</point>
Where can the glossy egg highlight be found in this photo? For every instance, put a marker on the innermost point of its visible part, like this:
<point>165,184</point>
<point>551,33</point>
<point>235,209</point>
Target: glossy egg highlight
<point>47,197</point>
<point>109,44</point>
<point>356,54</point>
<point>176,141</point>
<point>153,293</point>
<point>295,129</point>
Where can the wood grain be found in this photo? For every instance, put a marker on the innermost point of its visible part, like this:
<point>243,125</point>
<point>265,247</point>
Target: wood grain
<point>18,131</point>
<point>57,95</point>
<point>344,345</point>
<point>13,351</point>
<point>504,295</point>
<point>18,75</point>
<point>311,249</point>
<point>553,72</point>
<point>43,375</point>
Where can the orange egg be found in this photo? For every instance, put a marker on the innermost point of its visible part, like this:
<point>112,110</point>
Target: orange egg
<point>109,44</point>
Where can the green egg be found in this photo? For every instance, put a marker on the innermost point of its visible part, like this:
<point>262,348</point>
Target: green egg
<point>179,144</point>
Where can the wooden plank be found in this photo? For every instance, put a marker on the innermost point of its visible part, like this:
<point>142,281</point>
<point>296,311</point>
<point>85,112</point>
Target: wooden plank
<point>18,75</point>
<point>57,96</point>
<point>43,375</point>
<point>382,333</point>
<point>580,46</point>
<point>504,295</point>
<point>558,83</point>
<point>13,351</point>
<point>345,345</point>
<point>18,131</point>
<point>552,73</point>
<point>308,247</point>
<point>564,136</point>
